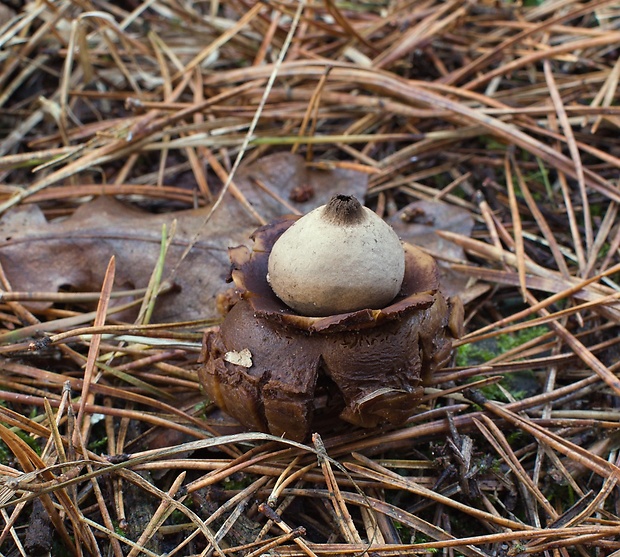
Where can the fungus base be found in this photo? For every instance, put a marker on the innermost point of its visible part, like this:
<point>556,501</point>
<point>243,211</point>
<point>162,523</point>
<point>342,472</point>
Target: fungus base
<point>375,361</point>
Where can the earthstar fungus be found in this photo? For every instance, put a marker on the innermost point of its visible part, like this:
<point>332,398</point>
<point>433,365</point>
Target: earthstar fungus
<point>365,361</point>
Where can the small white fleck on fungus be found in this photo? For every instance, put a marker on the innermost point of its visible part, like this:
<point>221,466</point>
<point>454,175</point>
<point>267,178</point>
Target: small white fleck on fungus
<point>338,258</point>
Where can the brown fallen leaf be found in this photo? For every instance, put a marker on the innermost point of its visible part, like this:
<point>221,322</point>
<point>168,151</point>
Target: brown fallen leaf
<point>301,186</point>
<point>41,256</point>
<point>72,254</point>
<point>418,222</point>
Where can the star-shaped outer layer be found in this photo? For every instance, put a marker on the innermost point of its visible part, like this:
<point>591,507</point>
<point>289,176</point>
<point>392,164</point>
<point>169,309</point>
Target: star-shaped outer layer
<point>372,361</point>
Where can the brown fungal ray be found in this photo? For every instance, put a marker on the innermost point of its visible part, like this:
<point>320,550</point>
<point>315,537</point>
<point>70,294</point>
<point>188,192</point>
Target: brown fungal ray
<point>376,360</point>
<point>275,394</point>
<point>377,370</point>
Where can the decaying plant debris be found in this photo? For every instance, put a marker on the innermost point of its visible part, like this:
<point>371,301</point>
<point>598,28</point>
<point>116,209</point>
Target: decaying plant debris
<point>505,111</point>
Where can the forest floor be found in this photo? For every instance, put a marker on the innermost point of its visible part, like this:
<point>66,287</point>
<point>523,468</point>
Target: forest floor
<point>140,140</point>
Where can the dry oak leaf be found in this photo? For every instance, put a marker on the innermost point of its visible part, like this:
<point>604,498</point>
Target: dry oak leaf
<point>41,256</point>
<point>301,186</point>
<point>418,222</point>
